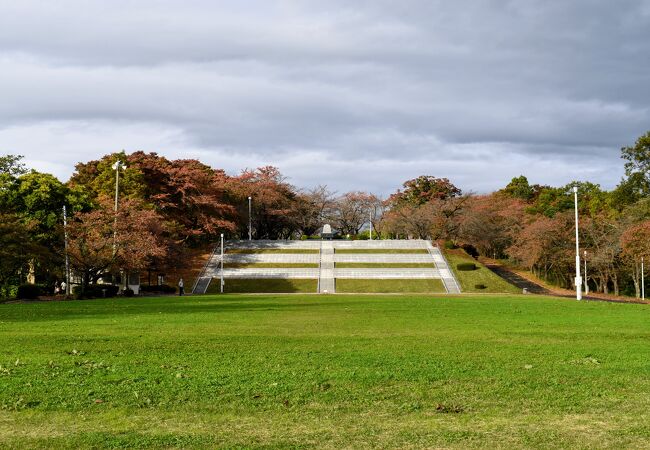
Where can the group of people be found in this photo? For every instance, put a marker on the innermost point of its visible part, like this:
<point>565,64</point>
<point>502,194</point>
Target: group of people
<point>60,288</point>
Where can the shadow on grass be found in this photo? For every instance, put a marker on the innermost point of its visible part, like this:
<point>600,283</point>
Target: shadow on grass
<point>116,307</point>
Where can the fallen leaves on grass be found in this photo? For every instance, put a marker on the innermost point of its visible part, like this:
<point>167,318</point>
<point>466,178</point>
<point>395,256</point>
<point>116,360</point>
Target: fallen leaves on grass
<point>586,361</point>
<point>449,409</point>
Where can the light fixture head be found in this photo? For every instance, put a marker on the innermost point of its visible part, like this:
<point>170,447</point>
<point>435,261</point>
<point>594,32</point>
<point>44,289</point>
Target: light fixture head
<point>575,189</point>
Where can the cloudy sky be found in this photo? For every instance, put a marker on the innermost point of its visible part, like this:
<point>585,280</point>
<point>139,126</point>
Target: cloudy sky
<point>353,94</point>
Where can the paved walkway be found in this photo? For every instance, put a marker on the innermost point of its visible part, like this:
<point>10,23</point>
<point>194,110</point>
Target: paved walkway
<point>326,283</point>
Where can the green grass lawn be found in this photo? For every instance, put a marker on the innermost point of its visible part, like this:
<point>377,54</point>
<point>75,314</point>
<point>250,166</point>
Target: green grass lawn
<point>265,285</point>
<point>250,251</point>
<point>382,250</point>
<point>361,371</point>
<point>270,265</point>
<point>349,265</point>
<point>344,285</point>
<point>468,279</point>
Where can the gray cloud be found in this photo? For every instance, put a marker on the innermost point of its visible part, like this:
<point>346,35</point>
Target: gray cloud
<point>356,95</point>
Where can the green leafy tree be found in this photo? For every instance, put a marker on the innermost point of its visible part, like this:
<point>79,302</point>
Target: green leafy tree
<point>519,188</point>
<point>637,157</point>
<point>17,250</point>
<point>98,177</point>
<point>423,189</point>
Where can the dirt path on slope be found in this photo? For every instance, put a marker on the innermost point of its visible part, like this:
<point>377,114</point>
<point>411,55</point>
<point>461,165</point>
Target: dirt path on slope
<point>526,280</point>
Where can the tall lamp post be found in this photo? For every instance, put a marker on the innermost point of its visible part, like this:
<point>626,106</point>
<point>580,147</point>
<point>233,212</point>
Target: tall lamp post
<point>116,166</point>
<point>586,284</point>
<point>578,280</point>
<point>250,219</point>
<point>67,257</point>
<point>642,281</point>
<point>221,271</point>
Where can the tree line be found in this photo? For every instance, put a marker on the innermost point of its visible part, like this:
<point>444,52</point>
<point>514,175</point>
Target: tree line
<point>166,207</point>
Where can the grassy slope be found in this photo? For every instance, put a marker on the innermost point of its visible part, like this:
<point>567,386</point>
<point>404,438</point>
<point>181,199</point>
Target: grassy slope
<point>271,265</point>
<point>272,250</point>
<point>333,371</point>
<point>382,265</point>
<point>344,285</point>
<point>268,285</point>
<point>483,275</point>
<point>381,250</point>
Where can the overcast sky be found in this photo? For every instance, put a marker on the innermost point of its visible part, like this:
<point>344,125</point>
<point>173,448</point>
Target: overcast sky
<point>358,95</point>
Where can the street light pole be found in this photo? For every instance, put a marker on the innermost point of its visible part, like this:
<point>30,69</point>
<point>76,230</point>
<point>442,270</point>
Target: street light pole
<point>67,258</point>
<point>250,220</point>
<point>221,271</point>
<point>578,280</point>
<point>586,284</point>
<point>642,281</point>
<point>116,166</point>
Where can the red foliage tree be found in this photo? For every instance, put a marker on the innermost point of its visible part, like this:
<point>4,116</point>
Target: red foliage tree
<point>101,241</point>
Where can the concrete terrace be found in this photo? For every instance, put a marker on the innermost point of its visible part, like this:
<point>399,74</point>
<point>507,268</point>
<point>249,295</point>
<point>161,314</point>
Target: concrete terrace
<point>255,260</point>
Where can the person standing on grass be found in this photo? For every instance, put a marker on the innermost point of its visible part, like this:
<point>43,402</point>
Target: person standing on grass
<point>181,287</point>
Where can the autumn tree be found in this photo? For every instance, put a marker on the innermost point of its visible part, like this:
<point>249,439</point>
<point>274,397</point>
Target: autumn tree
<point>635,244</point>
<point>423,189</point>
<point>427,208</point>
<point>489,223</point>
<point>103,242</point>
<point>352,211</point>
<point>192,196</point>
<point>600,235</point>
<point>274,200</point>
<point>313,208</point>
<point>544,246</point>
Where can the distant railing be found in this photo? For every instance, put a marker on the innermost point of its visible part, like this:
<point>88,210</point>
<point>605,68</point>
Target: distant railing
<point>204,269</point>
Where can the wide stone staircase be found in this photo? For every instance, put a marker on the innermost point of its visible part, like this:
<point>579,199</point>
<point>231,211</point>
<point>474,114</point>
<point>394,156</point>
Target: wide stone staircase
<point>324,256</point>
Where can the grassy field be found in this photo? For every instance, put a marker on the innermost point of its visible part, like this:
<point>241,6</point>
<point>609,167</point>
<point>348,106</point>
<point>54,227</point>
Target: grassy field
<point>468,279</point>
<point>382,250</point>
<point>265,285</point>
<point>325,371</point>
<point>344,285</point>
<point>270,265</point>
<point>350,265</point>
<point>251,251</point>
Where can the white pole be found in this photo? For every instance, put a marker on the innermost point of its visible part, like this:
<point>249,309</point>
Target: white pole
<point>250,220</point>
<point>67,258</point>
<point>586,284</point>
<point>117,182</point>
<point>370,215</point>
<point>221,286</point>
<point>118,164</point>
<point>642,281</point>
<point>578,280</point>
